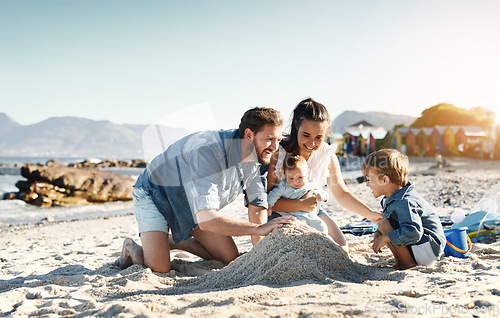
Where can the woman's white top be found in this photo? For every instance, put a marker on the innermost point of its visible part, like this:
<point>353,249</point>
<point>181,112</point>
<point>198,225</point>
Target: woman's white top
<point>318,163</point>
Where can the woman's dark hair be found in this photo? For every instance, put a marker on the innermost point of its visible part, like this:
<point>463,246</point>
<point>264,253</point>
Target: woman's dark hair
<point>306,109</point>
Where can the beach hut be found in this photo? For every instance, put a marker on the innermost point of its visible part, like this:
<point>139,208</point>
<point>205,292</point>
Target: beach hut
<point>350,146</point>
<point>388,139</point>
<point>363,140</point>
<point>336,140</point>
<point>437,139</point>
<point>358,139</point>
<point>470,139</point>
<point>425,143</point>
<point>448,147</point>
<point>377,139</point>
<point>399,138</point>
<point>411,140</point>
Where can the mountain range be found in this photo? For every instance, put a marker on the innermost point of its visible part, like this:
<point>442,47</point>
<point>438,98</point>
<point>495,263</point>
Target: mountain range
<point>75,137</point>
<point>378,119</point>
<point>80,137</point>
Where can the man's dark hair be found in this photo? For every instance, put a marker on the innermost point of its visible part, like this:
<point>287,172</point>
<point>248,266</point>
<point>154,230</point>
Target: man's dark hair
<point>257,117</point>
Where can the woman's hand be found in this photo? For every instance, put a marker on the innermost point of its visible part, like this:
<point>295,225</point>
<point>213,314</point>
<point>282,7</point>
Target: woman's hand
<point>375,216</point>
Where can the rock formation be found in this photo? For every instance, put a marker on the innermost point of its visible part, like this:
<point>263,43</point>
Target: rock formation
<point>57,185</point>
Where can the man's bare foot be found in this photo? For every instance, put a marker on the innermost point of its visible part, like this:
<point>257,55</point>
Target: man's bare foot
<point>131,254</point>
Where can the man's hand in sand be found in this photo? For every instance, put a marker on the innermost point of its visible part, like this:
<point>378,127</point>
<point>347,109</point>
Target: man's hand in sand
<point>308,202</point>
<point>379,241</point>
<point>270,226</point>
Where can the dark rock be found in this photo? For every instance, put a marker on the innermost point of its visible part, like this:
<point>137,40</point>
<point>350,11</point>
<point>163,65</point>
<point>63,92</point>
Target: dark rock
<point>61,185</point>
<point>42,201</point>
<point>360,179</point>
<point>55,163</point>
<point>110,163</point>
<point>9,196</point>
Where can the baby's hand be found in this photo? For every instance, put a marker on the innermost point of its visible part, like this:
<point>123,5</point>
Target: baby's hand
<point>320,197</point>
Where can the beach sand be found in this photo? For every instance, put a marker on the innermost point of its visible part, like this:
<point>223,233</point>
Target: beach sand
<point>70,269</point>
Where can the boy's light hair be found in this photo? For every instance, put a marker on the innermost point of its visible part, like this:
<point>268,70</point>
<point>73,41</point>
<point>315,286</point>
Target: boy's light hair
<point>388,162</point>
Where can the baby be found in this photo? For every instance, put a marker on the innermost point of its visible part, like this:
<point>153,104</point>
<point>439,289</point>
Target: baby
<point>294,187</point>
<point>410,227</point>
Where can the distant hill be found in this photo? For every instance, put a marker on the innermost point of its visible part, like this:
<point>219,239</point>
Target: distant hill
<point>380,119</point>
<point>7,124</point>
<point>75,137</point>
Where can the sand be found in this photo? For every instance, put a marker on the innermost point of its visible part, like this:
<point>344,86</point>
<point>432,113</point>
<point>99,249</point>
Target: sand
<point>70,269</point>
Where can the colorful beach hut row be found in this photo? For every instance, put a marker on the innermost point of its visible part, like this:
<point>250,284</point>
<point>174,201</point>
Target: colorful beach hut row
<point>447,140</point>
<point>362,139</point>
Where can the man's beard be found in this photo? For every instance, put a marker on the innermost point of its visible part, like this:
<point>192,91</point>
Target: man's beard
<point>260,152</point>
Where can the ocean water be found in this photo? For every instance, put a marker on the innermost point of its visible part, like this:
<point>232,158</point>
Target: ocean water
<point>14,212</point>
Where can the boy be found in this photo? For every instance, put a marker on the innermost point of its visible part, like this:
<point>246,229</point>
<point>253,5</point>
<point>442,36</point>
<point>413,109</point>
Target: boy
<point>410,227</point>
<point>294,187</point>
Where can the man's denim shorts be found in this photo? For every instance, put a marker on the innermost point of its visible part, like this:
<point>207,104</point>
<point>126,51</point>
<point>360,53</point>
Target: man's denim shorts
<point>147,215</point>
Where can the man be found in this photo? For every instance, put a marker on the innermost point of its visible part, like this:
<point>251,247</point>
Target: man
<point>184,188</point>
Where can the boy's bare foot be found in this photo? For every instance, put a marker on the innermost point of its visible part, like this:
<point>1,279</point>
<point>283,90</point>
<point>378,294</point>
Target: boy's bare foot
<point>405,266</point>
<point>131,254</point>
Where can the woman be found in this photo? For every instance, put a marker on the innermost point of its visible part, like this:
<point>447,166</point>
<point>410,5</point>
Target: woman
<point>309,130</point>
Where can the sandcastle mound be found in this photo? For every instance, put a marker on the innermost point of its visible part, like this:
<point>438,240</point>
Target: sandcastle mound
<point>292,253</point>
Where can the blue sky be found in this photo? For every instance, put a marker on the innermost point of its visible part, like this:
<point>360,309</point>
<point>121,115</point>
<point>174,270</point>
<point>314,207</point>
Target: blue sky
<point>138,61</point>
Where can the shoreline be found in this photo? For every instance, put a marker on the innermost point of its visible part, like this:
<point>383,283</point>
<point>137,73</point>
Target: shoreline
<point>425,169</point>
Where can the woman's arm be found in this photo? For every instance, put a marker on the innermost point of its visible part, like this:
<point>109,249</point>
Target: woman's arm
<point>345,197</point>
<point>306,203</point>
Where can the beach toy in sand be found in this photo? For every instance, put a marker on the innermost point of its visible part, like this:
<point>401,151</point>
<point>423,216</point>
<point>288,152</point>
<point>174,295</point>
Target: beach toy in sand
<point>486,218</point>
<point>458,244</point>
<point>457,216</point>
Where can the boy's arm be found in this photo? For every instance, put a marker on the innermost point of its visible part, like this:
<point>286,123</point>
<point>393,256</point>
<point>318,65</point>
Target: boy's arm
<point>410,229</point>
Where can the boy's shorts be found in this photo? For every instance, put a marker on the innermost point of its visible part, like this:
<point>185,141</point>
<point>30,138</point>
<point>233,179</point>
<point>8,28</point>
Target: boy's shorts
<point>147,215</point>
<point>422,253</point>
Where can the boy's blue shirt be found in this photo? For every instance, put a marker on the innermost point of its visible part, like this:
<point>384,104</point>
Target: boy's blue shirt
<point>418,221</point>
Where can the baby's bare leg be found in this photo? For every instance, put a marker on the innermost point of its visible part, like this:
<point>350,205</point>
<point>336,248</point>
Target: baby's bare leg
<point>334,231</point>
